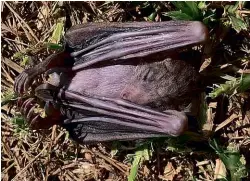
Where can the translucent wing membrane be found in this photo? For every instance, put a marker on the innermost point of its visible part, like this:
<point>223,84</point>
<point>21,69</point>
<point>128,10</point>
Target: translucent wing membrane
<point>140,39</point>
<point>117,112</point>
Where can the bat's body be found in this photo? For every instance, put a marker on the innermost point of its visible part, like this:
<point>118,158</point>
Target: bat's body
<point>152,84</point>
<point>119,81</point>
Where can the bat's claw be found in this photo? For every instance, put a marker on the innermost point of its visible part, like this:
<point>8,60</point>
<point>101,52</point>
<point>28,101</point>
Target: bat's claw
<point>24,80</point>
<point>35,121</point>
<point>27,108</point>
<point>31,113</point>
<point>27,105</point>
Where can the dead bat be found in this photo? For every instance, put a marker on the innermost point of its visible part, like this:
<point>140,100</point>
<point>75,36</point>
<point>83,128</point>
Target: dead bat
<point>117,81</point>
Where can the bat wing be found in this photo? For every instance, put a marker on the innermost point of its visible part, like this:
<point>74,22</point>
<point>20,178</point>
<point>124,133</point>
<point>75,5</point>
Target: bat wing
<point>104,119</point>
<point>96,43</point>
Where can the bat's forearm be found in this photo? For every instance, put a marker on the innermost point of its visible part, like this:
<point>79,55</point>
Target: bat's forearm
<point>134,40</point>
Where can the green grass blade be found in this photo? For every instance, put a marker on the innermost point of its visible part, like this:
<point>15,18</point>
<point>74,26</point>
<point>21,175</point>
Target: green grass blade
<point>177,15</point>
<point>232,160</point>
<point>193,8</point>
<point>57,33</point>
<point>241,84</point>
<point>54,46</point>
<point>181,5</point>
<point>189,8</point>
<point>134,167</point>
<point>142,153</point>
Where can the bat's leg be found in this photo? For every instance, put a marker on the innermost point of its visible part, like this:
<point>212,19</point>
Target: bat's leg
<point>25,79</point>
<point>142,42</point>
<point>34,120</point>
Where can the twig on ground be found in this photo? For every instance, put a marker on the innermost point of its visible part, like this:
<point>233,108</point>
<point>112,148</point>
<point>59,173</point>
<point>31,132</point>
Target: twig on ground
<point>21,19</point>
<point>27,166</point>
<point>13,65</point>
<point>226,122</point>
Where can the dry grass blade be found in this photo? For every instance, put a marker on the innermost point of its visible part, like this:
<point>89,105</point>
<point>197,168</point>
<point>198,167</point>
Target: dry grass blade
<point>226,122</point>
<point>21,19</point>
<point>112,162</point>
<point>12,65</point>
<point>220,170</point>
<point>27,166</point>
<point>9,78</point>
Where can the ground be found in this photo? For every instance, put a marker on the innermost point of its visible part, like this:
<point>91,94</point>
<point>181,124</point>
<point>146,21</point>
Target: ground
<point>218,150</point>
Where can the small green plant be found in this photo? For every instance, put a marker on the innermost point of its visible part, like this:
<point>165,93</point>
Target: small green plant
<point>240,84</point>
<point>202,11</point>
<point>20,125</point>
<point>190,10</point>
<point>232,159</point>
<point>142,153</point>
<point>231,17</point>
<point>8,97</point>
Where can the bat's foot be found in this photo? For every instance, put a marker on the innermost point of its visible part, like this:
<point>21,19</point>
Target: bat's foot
<point>34,119</point>
<point>24,80</point>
